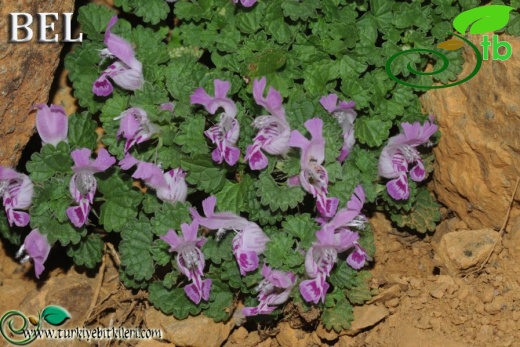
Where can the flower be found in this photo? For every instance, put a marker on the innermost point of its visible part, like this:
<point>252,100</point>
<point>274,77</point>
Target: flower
<point>399,153</point>
<point>273,131</point>
<point>83,184</point>
<point>225,133</point>
<point>37,248</point>
<point>313,176</point>
<point>135,127</point>
<point>249,240</point>
<point>334,237</point>
<point>246,3</point>
<point>190,259</point>
<point>170,186</point>
<point>16,189</point>
<point>126,72</point>
<point>51,124</point>
<point>345,114</point>
<point>273,290</point>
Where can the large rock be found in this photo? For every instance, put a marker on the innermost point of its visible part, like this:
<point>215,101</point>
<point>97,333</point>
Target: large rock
<point>477,157</point>
<point>464,251</point>
<point>26,74</point>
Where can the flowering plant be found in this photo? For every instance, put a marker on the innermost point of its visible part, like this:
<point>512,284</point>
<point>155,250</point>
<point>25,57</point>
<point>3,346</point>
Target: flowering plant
<point>242,153</point>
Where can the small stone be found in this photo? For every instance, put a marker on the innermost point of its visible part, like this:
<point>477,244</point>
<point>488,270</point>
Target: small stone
<point>394,246</point>
<point>325,334</point>
<point>495,306</point>
<point>454,303</point>
<point>438,290</point>
<point>463,294</point>
<point>436,323</point>
<point>367,316</point>
<point>423,323</point>
<point>392,302</point>
<point>487,295</point>
<point>289,337</point>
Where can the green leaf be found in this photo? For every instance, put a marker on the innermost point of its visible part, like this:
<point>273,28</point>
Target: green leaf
<point>51,160</point>
<point>152,11</point>
<point>88,252</point>
<point>55,315</point>
<point>371,130</point>
<point>160,252</point>
<point>231,274</point>
<point>204,173</point>
<point>195,11</point>
<point>170,216</point>
<point>280,252</point>
<point>424,215</point>
<point>191,136</point>
<point>54,197</point>
<point>64,232</point>
<point>277,196</point>
<point>94,20</point>
<point>82,131</point>
<point>300,10</point>
<point>7,232</point>
<point>303,227</point>
<point>339,316</point>
<point>82,64</point>
<point>219,250</point>
<point>484,19</point>
<point>136,249</point>
<point>232,196</point>
<point>121,201</point>
<point>220,302</point>
<point>172,301</point>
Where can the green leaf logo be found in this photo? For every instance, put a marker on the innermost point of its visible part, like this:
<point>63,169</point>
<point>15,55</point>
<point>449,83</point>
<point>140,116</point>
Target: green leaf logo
<point>484,19</point>
<point>55,315</point>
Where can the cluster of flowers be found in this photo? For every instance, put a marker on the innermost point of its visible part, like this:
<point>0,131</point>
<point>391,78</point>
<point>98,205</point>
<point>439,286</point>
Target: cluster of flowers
<point>274,137</point>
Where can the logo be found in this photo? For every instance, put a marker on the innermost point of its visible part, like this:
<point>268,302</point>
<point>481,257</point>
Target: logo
<point>482,20</point>
<point>19,329</point>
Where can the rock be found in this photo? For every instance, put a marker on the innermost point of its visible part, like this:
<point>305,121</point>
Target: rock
<point>394,292</point>
<point>325,334</point>
<point>289,337</point>
<point>199,331</point>
<point>366,316</point>
<point>477,157</point>
<point>465,250</point>
<point>27,72</point>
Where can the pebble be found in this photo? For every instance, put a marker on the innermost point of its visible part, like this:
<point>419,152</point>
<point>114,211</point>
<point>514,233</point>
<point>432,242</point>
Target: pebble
<point>463,294</point>
<point>454,303</point>
<point>493,307</point>
<point>487,295</point>
<point>392,302</point>
<point>394,246</point>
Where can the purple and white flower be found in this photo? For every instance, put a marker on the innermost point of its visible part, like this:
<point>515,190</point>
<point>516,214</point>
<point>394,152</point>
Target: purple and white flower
<point>246,3</point>
<point>273,290</point>
<point>273,130</point>
<point>249,241</point>
<point>345,114</point>
<point>399,153</point>
<point>16,190</point>
<point>37,248</point>
<point>334,237</point>
<point>83,184</point>
<point>170,186</point>
<point>135,127</point>
<point>190,260</point>
<point>52,124</point>
<point>126,71</point>
<point>224,134</point>
<point>313,176</point>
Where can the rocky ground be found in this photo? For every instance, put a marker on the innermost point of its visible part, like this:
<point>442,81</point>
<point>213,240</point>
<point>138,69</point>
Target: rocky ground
<point>423,299</point>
